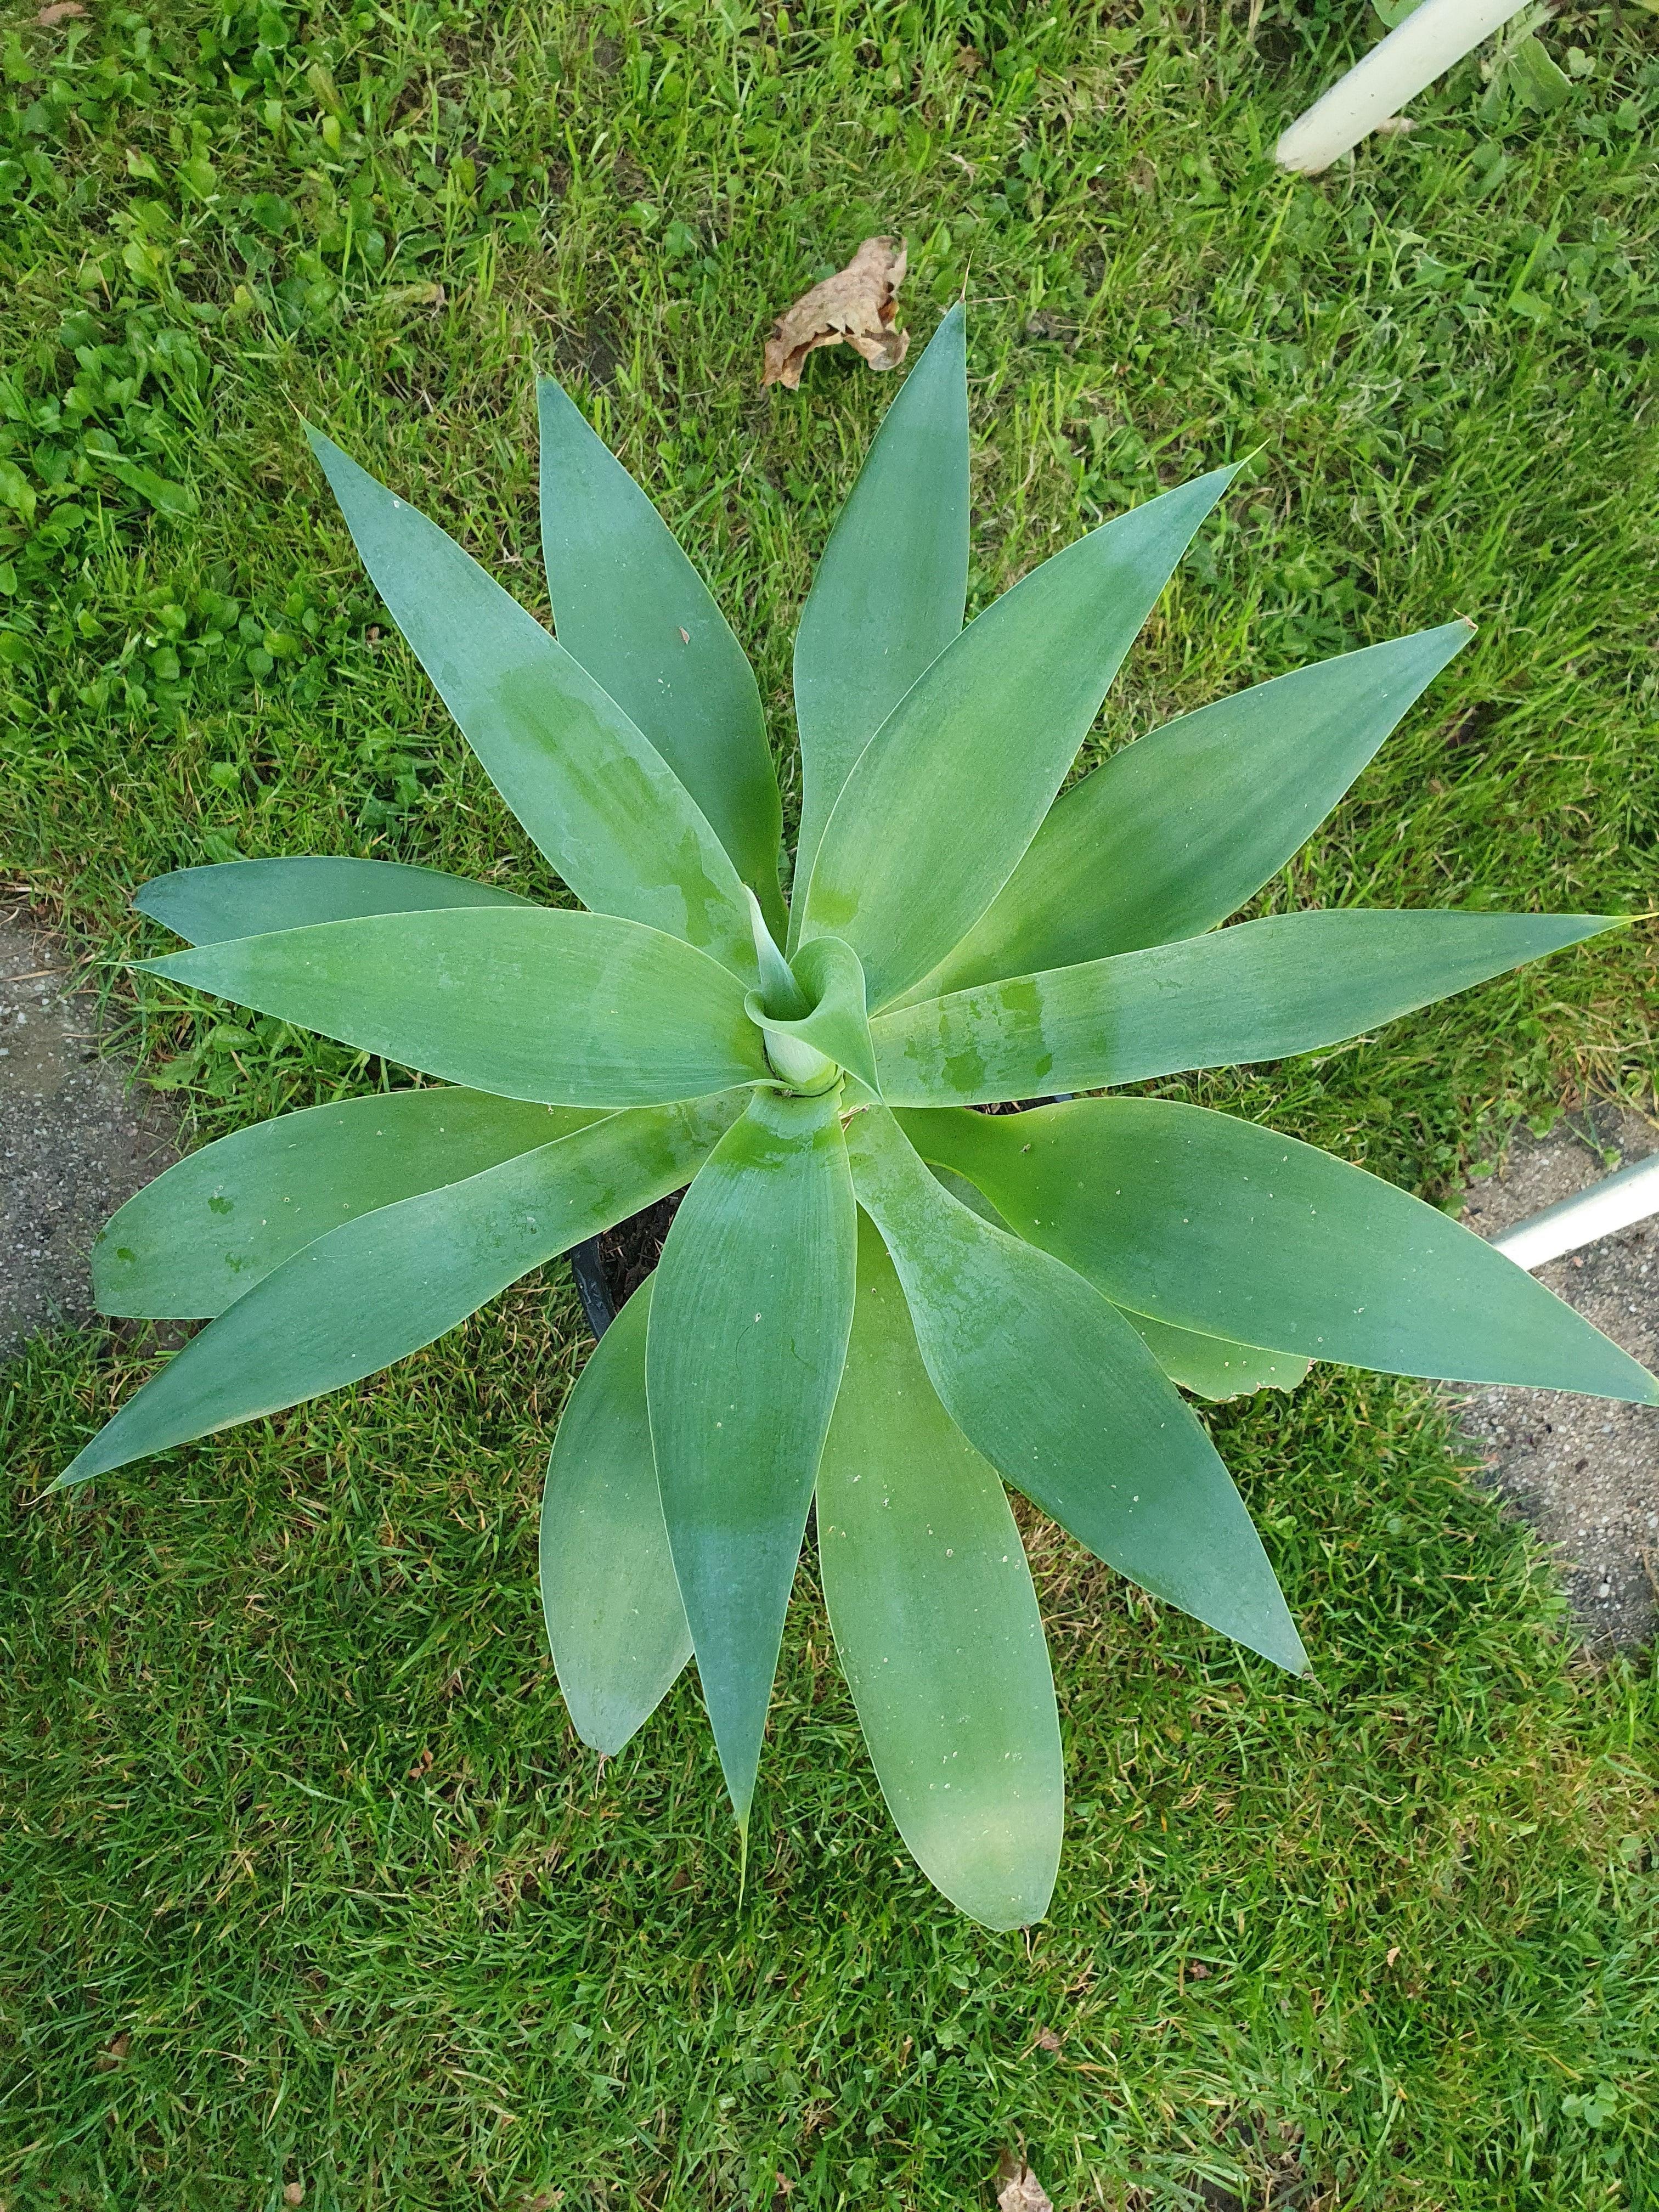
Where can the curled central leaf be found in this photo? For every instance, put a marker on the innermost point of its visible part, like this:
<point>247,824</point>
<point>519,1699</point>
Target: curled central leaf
<point>812,1012</point>
<point>805,1069</point>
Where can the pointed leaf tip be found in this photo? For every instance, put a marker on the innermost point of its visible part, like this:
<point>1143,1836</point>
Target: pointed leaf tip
<point>1056,1389</point>
<point>995,720</point>
<point>605,806</point>
<point>631,607</point>
<point>890,588</point>
<point>744,1352</point>
<point>615,1622</point>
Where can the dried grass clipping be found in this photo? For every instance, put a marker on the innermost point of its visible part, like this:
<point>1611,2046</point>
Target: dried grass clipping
<point>855,307</point>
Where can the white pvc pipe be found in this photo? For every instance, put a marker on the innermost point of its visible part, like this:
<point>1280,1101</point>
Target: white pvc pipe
<point>1606,1208</point>
<point>1424,46</point>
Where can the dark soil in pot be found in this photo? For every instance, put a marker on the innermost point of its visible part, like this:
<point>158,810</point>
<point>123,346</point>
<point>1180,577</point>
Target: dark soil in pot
<point>610,1268</point>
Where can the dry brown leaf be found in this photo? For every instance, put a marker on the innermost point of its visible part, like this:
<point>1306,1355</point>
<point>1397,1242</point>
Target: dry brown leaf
<point>110,2056</point>
<point>855,307</point>
<point>1019,2190</point>
<point>61,11</point>
<point>294,2193</point>
<point>1046,2039</point>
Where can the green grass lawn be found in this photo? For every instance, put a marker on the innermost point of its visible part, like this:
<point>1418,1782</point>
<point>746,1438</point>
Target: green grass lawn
<point>305,1877</point>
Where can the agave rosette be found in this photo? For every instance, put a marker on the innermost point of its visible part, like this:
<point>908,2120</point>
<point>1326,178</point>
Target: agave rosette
<point>871,1293</point>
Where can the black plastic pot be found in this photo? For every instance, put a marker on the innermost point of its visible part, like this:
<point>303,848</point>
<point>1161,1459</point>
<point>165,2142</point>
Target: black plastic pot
<point>590,1286</point>
<point>587,1265</point>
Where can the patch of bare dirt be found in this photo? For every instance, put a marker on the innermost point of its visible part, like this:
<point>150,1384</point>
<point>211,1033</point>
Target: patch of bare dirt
<point>76,1140</point>
<point>1584,1471</point>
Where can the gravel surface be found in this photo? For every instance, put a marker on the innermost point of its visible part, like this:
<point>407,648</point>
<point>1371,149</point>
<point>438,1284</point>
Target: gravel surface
<point>74,1141</point>
<point>1584,1471</point>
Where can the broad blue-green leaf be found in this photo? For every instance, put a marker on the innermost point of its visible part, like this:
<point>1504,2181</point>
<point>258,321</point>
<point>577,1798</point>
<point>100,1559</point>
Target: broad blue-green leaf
<point>1214,1367</point>
<point>614,1618</point>
<point>381,1286</point>
<point>1058,1391</point>
<point>953,787</point>
<point>1213,1223</point>
<point>595,793</point>
<point>190,1243</point>
<point>889,590</point>
<point>748,1322</point>
<point>1259,991</point>
<point>249,898</point>
<point>936,1623</point>
<point>633,610</point>
<point>831,985</point>
<point>570,1009</point>
<point>1175,832</point>
<point>1210,1366</point>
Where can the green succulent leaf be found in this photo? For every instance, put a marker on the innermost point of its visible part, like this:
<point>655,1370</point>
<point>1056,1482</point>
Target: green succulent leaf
<point>568,1009</point>
<point>250,898</point>
<point>1208,1223</point>
<point>889,590</point>
<point>749,1325</point>
<point>1060,1393</point>
<point>936,1623</point>
<point>383,1286</point>
<point>1261,990</point>
<point>954,786</point>
<point>635,612</point>
<point>1209,1366</point>
<point>598,798</point>
<point>1214,1367</point>
<point>615,1622</point>
<point>832,984</point>
<point>192,1242</point>
<point>1175,832</point>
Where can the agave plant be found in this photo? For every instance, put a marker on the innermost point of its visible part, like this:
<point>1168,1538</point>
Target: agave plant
<point>870,1294</point>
